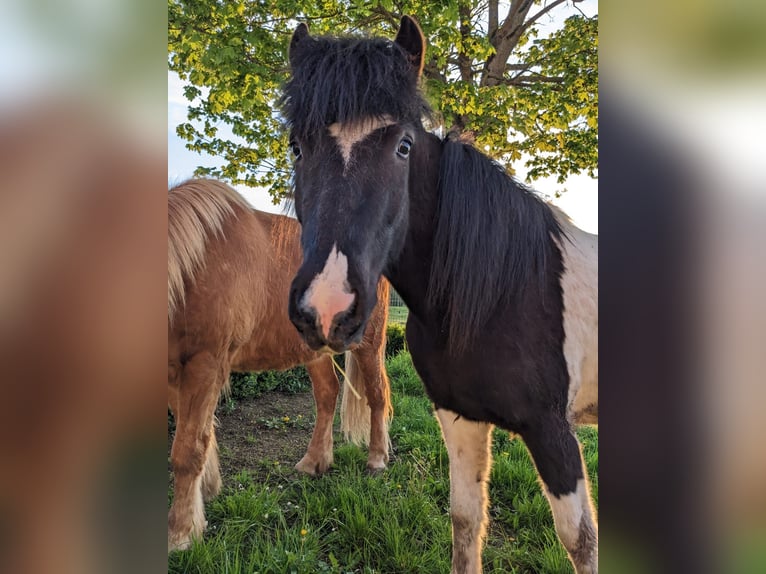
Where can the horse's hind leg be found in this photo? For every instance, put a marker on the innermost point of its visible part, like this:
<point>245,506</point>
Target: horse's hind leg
<point>376,388</point>
<point>557,456</point>
<point>211,474</point>
<point>324,384</point>
<point>201,382</point>
<point>468,446</point>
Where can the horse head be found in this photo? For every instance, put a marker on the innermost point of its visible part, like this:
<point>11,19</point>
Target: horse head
<point>354,108</point>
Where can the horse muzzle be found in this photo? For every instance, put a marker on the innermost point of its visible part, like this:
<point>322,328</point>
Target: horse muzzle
<point>326,317</point>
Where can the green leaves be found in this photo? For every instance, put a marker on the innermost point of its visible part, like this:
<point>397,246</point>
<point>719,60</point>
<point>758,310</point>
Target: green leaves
<point>233,57</point>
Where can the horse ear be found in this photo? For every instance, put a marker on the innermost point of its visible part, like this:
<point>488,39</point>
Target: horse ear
<point>301,33</point>
<point>411,39</point>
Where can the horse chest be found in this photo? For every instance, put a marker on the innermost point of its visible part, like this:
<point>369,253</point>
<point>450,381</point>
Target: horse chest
<point>473,389</point>
<point>499,382</point>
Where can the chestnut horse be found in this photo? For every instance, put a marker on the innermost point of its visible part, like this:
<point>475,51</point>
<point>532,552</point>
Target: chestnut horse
<point>229,272</point>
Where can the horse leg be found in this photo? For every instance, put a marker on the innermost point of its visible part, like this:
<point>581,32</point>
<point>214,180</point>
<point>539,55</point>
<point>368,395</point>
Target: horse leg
<point>557,456</point>
<point>202,379</point>
<point>324,384</point>
<point>468,446</point>
<point>211,474</point>
<point>376,388</point>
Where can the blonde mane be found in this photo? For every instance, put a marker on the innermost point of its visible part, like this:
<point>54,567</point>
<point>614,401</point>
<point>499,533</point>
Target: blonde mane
<point>197,209</point>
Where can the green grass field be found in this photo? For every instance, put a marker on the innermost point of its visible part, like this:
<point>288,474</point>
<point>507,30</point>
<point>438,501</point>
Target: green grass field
<point>396,522</point>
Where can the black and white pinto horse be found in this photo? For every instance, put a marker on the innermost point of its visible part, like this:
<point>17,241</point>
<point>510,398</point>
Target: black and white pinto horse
<point>501,287</point>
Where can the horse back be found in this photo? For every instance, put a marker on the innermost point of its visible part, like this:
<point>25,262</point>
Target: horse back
<point>226,296</point>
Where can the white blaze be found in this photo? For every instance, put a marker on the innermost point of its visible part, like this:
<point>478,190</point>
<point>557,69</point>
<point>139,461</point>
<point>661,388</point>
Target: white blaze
<point>329,292</point>
<point>349,134</point>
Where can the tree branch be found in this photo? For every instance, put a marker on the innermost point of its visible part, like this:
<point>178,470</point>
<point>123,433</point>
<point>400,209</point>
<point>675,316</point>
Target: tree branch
<point>505,40</point>
<point>531,77</point>
<point>431,70</point>
<point>542,13</point>
<point>535,78</point>
<point>390,16</point>
<point>463,60</point>
<point>492,20</point>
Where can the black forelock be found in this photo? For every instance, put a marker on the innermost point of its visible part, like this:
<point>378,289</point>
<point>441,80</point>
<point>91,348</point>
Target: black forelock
<point>347,79</point>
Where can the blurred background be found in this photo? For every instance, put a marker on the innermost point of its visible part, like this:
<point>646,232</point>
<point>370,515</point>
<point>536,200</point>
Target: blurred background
<point>682,214</point>
<point>83,172</point>
<point>82,286</point>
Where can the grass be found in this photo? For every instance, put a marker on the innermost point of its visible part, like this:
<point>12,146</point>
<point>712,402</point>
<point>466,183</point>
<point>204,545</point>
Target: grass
<point>396,522</point>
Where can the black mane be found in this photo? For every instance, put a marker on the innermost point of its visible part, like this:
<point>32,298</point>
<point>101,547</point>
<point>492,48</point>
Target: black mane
<point>346,79</point>
<point>493,240</point>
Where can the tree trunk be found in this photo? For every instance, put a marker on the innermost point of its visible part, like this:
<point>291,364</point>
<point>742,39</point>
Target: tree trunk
<point>504,41</point>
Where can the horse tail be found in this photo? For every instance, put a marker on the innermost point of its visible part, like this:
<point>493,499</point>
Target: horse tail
<point>197,209</point>
<point>355,412</point>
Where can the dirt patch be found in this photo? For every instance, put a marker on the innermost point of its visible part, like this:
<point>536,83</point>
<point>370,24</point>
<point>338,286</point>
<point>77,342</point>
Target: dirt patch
<point>258,433</point>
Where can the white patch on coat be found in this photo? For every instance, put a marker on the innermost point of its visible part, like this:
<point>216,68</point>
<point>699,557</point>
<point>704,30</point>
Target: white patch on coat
<point>349,134</point>
<point>468,447</point>
<point>576,527</point>
<point>329,293</point>
<point>579,284</point>
<point>568,511</point>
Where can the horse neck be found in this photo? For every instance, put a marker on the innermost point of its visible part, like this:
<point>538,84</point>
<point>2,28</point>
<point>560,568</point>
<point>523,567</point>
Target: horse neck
<point>411,271</point>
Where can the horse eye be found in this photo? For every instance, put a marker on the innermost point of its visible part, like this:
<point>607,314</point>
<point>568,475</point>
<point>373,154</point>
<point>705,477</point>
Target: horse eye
<point>403,150</point>
<point>296,149</point>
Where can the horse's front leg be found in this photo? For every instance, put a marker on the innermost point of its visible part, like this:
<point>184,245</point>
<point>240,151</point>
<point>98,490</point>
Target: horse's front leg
<point>559,462</point>
<point>195,401</point>
<point>324,384</point>
<point>468,446</point>
<point>376,387</point>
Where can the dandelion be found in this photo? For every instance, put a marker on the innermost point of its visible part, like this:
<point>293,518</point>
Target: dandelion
<point>304,532</point>
<point>286,419</point>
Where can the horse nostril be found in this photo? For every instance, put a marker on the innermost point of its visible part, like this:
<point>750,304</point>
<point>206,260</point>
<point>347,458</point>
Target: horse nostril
<point>343,319</point>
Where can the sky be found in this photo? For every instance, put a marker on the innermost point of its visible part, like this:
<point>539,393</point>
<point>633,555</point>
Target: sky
<point>580,201</point>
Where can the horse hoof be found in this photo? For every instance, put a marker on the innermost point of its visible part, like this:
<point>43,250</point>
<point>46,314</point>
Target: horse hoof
<point>177,544</point>
<point>312,467</point>
<point>181,539</point>
<point>375,470</point>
